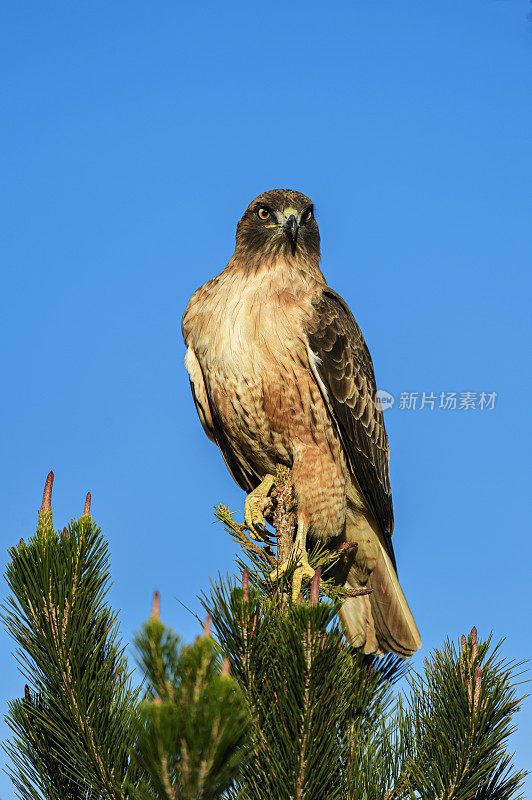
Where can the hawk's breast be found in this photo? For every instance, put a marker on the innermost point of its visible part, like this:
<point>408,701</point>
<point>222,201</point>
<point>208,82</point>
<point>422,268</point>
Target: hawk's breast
<point>247,336</point>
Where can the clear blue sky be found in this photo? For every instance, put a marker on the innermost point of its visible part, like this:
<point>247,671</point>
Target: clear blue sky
<point>133,136</point>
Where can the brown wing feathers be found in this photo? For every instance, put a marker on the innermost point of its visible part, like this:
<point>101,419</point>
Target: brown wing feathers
<point>346,373</point>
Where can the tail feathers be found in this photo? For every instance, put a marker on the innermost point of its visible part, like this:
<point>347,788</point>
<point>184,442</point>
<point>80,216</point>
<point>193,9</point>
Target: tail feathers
<point>380,622</point>
<point>357,621</point>
<point>396,629</point>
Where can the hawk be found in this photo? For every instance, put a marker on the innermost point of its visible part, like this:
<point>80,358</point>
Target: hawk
<point>280,374</point>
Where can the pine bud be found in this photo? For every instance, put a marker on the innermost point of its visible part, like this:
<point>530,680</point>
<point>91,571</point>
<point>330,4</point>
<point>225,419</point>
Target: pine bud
<point>46,504</point>
<point>478,678</point>
<point>156,606</point>
<point>315,588</point>
<point>87,509</point>
<point>474,652</point>
<point>245,584</point>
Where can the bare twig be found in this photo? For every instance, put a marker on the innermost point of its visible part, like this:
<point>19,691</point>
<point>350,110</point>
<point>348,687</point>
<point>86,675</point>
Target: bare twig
<point>284,517</point>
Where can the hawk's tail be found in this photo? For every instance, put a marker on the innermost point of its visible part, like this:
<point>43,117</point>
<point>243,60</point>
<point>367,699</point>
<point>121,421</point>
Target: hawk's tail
<point>380,622</point>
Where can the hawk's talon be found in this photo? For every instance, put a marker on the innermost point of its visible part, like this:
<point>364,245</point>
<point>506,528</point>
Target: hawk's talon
<point>299,557</point>
<point>303,570</point>
<point>255,505</point>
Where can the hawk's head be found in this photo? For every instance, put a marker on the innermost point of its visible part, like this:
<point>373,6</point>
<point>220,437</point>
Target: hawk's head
<point>279,223</point>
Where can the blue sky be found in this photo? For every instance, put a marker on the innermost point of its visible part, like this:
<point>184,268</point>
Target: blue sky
<point>133,137</point>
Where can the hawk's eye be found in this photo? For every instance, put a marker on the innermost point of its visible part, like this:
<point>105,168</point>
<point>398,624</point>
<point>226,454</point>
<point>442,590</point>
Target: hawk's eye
<point>307,215</point>
<point>263,213</point>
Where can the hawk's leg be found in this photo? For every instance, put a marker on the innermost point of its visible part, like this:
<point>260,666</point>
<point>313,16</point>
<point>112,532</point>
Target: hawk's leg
<point>299,557</point>
<point>255,504</point>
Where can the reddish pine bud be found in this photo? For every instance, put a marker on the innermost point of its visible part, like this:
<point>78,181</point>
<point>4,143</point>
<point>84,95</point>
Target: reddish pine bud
<point>46,504</point>
<point>156,606</point>
<point>87,509</point>
<point>245,584</point>
<point>315,588</point>
<point>474,652</point>
<point>464,642</point>
<point>478,679</point>
<point>207,626</point>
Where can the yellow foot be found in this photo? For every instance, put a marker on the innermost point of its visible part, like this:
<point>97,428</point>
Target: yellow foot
<point>303,570</point>
<point>255,504</point>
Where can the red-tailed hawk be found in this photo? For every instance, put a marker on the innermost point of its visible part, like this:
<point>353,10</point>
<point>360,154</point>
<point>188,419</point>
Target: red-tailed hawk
<point>280,374</point>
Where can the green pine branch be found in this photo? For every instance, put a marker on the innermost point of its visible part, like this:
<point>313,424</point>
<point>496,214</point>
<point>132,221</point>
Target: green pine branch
<point>72,727</point>
<point>456,724</point>
<point>324,723</point>
<point>307,691</point>
<point>193,721</point>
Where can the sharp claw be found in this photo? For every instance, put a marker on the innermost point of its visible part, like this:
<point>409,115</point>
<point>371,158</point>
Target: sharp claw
<point>258,530</point>
<point>303,570</point>
<point>257,502</point>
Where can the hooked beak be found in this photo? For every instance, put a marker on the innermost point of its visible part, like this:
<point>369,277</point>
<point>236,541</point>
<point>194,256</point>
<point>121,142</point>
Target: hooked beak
<point>291,228</point>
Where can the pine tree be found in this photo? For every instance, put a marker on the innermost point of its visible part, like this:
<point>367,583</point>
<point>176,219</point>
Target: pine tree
<point>277,705</point>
